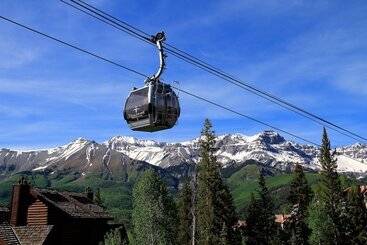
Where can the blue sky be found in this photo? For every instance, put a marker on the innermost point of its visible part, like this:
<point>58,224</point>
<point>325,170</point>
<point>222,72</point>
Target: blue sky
<point>312,53</point>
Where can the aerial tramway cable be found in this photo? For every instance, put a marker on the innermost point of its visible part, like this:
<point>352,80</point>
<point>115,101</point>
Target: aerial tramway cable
<point>179,89</point>
<point>137,33</point>
<point>146,76</point>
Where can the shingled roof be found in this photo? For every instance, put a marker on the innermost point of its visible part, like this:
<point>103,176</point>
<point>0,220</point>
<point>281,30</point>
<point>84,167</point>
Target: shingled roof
<point>74,204</point>
<point>7,234</point>
<point>33,235</point>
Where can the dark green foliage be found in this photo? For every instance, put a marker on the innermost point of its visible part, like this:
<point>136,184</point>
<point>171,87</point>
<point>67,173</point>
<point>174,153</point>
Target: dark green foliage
<point>223,235</point>
<point>214,205</point>
<point>252,231</point>
<point>154,214</point>
<point>320,223</point>
<point>244,182</point>
<point>356,218</point>
<point>267,213</point>
<point>97,197</point>
<point>117,236</point>
<point>329,200</point>
<point>116,196</point>
<point>185,214</point>
<point>261,227</point>
<point>300,197</point>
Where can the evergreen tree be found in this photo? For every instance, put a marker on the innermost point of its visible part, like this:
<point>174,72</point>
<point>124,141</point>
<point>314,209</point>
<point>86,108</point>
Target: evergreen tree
<point>319,222</point>
<point>252,231</point>
<point>116,237</point>
<point>267,215</point>
<point>185,214</point>
<point>229,216</point>
<point>300,198</point>
<point>223,235</point>
<point>113,238</point>
<point>214,204</point>
<point>98,198</point>
<point>261,227</point>
<point>356,221</point>
<point>154,215</point>
<point>329,198</point>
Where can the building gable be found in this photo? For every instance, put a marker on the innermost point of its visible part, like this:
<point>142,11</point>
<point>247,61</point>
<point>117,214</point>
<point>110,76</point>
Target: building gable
<point>37,213</point>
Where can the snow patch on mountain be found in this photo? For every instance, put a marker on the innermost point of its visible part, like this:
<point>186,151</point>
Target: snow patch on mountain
<point>268,148</point>
<point>347,164</point>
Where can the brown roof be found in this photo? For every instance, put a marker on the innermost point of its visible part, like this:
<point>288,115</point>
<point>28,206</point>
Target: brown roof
<point>74,204</point>
<point>7,234</point>
<point>33,234</point>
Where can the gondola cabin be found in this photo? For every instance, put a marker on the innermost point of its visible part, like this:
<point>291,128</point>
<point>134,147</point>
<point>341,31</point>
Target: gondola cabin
<point>155,106</point>
<point>152,108</point>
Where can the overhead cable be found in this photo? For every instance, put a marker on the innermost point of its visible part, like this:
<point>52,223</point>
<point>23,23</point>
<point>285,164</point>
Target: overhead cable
<point>140,34</point>
<point>179,89</point>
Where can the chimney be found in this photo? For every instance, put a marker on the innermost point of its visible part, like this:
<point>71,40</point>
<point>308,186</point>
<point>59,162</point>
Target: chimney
<point>20,201</point>
<point>89,193</point>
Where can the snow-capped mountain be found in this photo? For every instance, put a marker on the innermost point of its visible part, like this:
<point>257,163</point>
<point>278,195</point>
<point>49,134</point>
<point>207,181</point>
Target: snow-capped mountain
<point>267,148</point>
<point>80,156</point>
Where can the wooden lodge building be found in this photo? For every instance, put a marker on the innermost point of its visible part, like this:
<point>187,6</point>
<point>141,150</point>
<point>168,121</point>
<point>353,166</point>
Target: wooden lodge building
<point>40,216</point>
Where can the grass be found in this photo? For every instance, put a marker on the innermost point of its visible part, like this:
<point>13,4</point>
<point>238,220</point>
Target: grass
<point>244,182</point>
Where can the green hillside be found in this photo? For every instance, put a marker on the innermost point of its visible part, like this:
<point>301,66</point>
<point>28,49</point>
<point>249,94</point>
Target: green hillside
<point>244,182</point>
<point>116,194</point>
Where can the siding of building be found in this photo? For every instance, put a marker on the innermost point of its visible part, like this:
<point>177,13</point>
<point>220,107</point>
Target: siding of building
<point>37,214</point>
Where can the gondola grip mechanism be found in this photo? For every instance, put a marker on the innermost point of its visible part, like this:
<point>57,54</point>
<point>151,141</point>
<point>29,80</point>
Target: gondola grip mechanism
<point>158,39</point>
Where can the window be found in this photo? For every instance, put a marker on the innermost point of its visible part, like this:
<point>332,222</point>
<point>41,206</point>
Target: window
<point>137,98</point>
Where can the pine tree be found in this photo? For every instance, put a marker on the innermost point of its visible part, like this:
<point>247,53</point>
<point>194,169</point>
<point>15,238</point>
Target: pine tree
<point>229,216</point>
<point>252,231</point>
<point>261,227</point>
<point>214,204</point>
<point>117,236</point>
<point>330,198</point>
<point>112,238</point>
<point>223,235</point>
<point>319,222</point>
<point>98,198</point>
<point>300,198</point>
<point>154,215</point>
<point>267,220</point>
<point>185,214</point>
<point>356,221</point>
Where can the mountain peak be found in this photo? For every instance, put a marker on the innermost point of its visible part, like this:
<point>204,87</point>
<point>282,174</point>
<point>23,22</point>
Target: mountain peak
<point>271,137</point>
<point>267,147</point>
<point>80,140</point>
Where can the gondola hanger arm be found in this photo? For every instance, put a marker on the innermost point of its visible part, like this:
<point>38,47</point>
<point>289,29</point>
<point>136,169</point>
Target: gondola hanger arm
<point>158,39</point>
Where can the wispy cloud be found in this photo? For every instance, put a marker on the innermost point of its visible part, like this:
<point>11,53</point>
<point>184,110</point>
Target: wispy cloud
<point>310,52</point>
<point>84,93</point>
<point>18,112</point>
<point>15,53</point>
